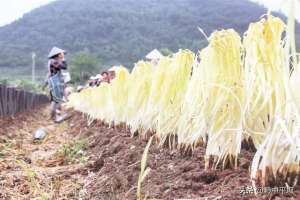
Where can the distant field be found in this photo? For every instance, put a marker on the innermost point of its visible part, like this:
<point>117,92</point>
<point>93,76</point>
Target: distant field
<point>20,73</point>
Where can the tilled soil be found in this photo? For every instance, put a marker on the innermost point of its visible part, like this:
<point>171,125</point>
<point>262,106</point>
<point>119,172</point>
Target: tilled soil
<point>113,166</point>
<point>173,175</point>
<point>32,170</point>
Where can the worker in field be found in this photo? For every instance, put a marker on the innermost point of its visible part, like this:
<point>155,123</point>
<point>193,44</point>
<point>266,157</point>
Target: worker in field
<point>56,64</point>
<point>105,77</point>
<point>112,73</point>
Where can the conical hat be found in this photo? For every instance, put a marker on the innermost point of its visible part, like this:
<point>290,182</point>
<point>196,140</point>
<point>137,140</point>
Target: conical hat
<point>155,54</point>
<point>113,68</point>
<point>54,51</point>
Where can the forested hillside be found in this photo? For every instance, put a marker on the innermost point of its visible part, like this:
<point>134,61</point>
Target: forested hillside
<point>119,31</point>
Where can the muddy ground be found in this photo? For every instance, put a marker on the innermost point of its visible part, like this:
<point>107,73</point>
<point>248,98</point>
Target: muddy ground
<point>108,165</point>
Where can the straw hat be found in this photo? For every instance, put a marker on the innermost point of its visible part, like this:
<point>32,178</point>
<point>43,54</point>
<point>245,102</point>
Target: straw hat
<point>113,68</point>
<point>93,78</point>
<point>153,55</point>
<point>55,51</point>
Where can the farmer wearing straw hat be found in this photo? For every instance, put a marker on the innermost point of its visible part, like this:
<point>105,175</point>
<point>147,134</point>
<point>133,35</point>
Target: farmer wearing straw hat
<point>112,72</point>
<point>56,63</point>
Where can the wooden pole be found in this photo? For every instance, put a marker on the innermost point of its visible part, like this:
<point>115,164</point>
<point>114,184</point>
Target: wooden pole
<point>33,67</point>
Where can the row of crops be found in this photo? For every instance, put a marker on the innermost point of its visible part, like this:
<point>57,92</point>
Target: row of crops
<point>235,89</point>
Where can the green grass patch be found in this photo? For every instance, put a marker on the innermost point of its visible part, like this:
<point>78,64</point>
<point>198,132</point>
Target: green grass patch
<point>74,151</point>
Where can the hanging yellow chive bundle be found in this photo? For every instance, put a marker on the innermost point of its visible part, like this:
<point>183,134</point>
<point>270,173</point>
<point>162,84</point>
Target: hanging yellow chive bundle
<point>238,90</point>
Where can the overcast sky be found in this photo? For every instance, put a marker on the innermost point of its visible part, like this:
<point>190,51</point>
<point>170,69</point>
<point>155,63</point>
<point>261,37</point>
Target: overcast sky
<point>281,5</point>
<point>11,10</point>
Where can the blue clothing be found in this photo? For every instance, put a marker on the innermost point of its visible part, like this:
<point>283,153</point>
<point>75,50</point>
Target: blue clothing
<point>56,85</point>
<point>55,79</point>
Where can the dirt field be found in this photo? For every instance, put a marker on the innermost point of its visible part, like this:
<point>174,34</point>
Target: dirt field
<point>106,165</point>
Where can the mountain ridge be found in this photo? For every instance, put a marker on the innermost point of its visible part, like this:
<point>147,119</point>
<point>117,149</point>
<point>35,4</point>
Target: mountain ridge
<point>119,31</point>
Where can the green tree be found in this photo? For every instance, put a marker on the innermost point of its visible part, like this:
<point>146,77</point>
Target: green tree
<point>166,51</point>
<point>29,86</point>
<point>118,34</point>
<point>4,81</point>
<point>82,66</point>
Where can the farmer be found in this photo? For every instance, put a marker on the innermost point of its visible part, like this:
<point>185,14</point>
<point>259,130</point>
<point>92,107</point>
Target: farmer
<point>112,73</point>
<point>105,77</point>
<point>56,83</point>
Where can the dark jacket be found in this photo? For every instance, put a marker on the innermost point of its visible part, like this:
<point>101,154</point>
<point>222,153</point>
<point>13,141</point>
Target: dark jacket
<point>55,66</point>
